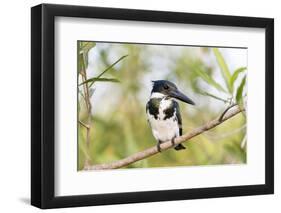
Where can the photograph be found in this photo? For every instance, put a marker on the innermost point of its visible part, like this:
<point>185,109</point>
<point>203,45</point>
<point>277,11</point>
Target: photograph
<point>160,105</point>
<point>139,105</point>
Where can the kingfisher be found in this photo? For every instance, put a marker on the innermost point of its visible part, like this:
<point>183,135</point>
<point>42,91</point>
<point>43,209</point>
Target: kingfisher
<point>163,112</point>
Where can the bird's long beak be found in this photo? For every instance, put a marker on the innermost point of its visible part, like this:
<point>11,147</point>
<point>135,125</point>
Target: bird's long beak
<point>182,97</point>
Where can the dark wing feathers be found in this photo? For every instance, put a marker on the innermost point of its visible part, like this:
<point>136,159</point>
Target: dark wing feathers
<point>177,107</point>
<point>178,115</point>
<point>152,107</point>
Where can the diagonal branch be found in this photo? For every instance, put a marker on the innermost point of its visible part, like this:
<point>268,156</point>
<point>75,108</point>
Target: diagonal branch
<point>167,145</point>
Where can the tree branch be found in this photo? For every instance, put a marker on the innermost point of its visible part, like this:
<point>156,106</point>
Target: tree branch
<point>226,110</point>
<point>167,145</point>
<point>89,109</point>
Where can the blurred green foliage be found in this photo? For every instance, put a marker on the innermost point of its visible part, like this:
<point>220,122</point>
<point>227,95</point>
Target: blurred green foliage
<point>119,126</point>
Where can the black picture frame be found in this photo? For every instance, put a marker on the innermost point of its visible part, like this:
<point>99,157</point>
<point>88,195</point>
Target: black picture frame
<point>43,102</point>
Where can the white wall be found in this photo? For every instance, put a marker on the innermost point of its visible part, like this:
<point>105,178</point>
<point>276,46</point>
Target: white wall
<point>15,105</point>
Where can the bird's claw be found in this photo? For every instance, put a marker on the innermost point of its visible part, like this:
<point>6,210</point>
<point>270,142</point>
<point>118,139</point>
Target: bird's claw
<point>158,147</point>
<point>173,142</point>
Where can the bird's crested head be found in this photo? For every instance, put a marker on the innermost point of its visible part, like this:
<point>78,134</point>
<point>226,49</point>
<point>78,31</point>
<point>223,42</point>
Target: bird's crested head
<point>164,88</point>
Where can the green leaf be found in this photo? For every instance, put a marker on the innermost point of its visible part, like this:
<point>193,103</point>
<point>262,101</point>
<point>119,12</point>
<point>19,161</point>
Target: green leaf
<point>112,65</point>
<point>81,63</point>
<point>235,76</point>
<point>84,48</point>
<point>109,68</point>
<point>223,67</point>
<point>92,80</point>
<point>240,89</point>
<point>208,79</point>
<point>214,96</point>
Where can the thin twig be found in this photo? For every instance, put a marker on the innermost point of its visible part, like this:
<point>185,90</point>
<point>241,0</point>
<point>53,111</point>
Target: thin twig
<point>89,109</point>
<point>82,95</point>
<point>83,124</point>
<point>167,145</point>
<point>108,68</point>
<point>226,110</point>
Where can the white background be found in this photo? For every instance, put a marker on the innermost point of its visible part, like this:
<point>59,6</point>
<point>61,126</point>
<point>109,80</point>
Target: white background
<point>15,106</point>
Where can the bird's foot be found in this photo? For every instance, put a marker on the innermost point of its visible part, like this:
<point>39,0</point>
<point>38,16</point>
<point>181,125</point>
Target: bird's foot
<point>158,147</point>
<point>173,141</point>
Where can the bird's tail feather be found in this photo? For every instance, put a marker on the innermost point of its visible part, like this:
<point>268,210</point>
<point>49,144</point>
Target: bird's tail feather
<point>179,147</point>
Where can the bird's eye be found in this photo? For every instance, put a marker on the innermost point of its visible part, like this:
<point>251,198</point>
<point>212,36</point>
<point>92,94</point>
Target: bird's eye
<point>166,86</point>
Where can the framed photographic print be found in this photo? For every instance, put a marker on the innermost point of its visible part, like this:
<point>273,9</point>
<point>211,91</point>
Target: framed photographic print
<point>140,106</point>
